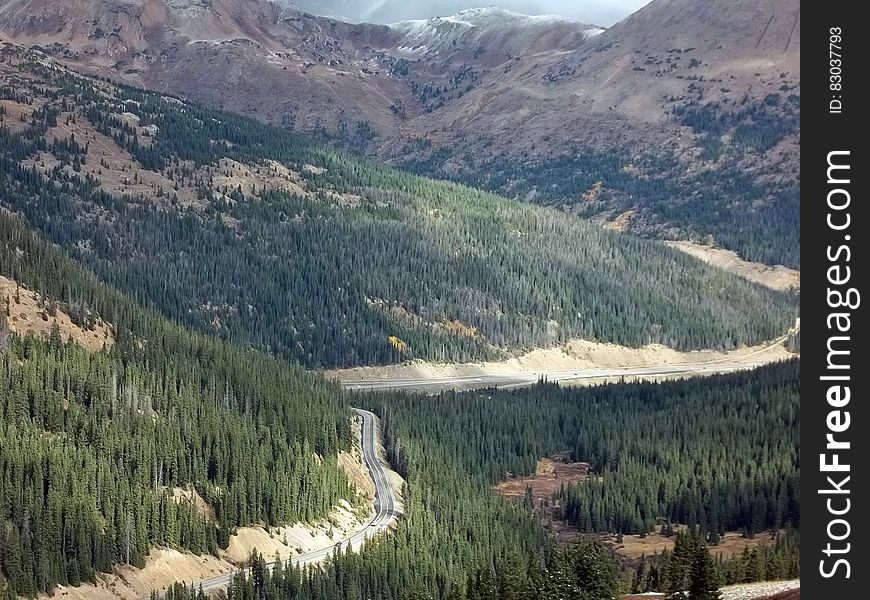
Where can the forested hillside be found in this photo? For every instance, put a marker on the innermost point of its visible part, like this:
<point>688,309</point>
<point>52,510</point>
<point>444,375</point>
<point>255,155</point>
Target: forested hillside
<point>646,444</point>
<point>95,446</point>
<point>720,452</point>
<point>244,230</point>
<point>756,213</point>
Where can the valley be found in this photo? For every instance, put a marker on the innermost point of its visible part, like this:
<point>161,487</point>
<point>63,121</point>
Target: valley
<point>481,306</point>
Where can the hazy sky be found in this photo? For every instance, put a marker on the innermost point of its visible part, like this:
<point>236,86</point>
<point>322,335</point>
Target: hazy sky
<point>598,12</point>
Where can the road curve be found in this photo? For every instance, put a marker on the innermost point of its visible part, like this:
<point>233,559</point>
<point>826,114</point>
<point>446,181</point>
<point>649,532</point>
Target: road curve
<point>433,385</point>
<point>384,504</point>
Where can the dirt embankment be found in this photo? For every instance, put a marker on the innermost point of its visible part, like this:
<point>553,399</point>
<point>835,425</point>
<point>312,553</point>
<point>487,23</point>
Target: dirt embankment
<point>165,566</point>
<point>580,355</point>
<point>574,356</point>
<point>777,277</point>
<point>764,590</point>
<point>287,542</point>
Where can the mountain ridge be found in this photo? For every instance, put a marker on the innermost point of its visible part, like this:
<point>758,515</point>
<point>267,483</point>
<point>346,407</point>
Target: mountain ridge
<point>677,94</point>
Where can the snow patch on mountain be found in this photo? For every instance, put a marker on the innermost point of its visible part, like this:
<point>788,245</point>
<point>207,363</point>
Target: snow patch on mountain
<point>490,15</point>
<point>432,33</point>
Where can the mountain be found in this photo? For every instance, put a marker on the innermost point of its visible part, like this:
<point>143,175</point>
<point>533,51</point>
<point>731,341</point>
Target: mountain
<point>272,61</point>
<point>255,57</point>
<point>680,122</point>
<point>247,231</point>
<point>391,11</point>
<point>351,11</point>
<point>112,452</point>
<point>470,34</point>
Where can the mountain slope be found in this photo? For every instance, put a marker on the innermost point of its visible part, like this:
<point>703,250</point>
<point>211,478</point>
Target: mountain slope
<point>390,11</point>
<point>683,120</point>
<point>256,56</point>
<point>238,228</point>
<point>679,122</point>
<point>270,60</point>
<point>473,30</point>
<point>108,454</point>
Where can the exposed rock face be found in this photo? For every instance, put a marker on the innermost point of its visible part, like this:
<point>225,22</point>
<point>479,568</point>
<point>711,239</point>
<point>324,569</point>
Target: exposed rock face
<point>277,62</point>
<point>546,80</point>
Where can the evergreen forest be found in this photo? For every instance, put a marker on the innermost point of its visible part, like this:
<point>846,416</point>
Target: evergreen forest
<point>459,540</point>
<point>250,233</point>
<point>228,258</point>
<point>754,211</point>
<point>93,445</point>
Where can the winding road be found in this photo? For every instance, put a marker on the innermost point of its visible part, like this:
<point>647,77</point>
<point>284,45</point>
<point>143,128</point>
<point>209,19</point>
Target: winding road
<point>384,504</point>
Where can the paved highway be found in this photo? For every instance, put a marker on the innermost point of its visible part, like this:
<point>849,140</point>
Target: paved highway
<point>385,499</point>
<point>385,506</point>
<point>512,380</point>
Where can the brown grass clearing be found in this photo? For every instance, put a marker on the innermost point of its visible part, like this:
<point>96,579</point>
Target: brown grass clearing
<point>120,174</point>
<point>591,195</point>
<point>231,175</point>
<point>550,475</point>
<point>633,547</point>
<point>621,222</point>
<point>14,112</point>
<point>31,316</point>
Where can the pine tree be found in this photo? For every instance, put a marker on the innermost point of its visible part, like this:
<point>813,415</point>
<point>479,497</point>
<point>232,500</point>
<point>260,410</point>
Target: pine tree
<point>703,581</point>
